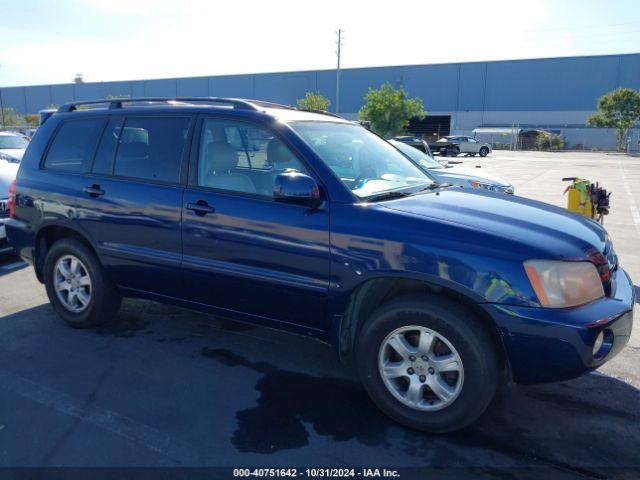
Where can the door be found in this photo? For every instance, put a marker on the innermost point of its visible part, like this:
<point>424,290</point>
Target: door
<point>464,144</point>
<point>473,145</point>
<point>132,201</point>
<point>243,252</point>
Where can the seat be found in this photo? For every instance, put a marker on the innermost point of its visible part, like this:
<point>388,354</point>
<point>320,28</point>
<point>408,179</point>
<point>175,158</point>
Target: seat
<point>221,158</point>
<point>280,157</point>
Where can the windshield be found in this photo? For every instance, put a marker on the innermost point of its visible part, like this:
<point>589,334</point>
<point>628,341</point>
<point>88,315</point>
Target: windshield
<point>366,164</point>
<point>12,142</point>
<point>421,158</point>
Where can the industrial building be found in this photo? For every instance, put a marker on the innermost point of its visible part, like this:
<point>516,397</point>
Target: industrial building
<point>497,97</point>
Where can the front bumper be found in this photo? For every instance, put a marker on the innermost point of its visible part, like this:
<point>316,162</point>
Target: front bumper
<point>548,345</point>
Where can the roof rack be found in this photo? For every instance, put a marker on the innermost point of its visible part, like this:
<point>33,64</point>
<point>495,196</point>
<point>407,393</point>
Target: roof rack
<point>320,112</point>
<point>236,103</point>
<point>117,103</point>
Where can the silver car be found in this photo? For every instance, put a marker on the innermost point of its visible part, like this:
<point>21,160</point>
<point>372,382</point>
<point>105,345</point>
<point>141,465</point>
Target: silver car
<point>12,147</point>
<point>464,177</point>
<point>469,146</point>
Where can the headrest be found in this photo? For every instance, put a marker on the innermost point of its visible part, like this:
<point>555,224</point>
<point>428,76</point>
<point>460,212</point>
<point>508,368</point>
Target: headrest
<point>278,153</point>
<point>222,156</point>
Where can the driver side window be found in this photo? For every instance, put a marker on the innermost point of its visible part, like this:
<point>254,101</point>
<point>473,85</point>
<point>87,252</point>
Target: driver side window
<point>239,157</point>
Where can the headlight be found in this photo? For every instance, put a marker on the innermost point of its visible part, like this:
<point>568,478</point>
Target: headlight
<point>486,186</point>
<point>492,187</point>
<point>564,284</point>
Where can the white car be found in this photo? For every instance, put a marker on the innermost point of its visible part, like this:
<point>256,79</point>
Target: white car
<point>469,146</point>
<point>12,147</point>
<point>464,177</point>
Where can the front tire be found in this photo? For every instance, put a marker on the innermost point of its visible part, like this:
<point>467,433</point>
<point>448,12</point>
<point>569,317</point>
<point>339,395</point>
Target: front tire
<point>77,286</point>
<point>484,151</point>
<point>428,363</point>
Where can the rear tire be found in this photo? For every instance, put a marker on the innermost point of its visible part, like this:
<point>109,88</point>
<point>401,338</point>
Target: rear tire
<point>462,340</point>
<point>484,151</point>
<point>77,286</point>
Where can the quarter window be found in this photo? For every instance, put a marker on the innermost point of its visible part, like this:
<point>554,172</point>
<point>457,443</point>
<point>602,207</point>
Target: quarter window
<point>74,145</point>
<point>151,148</point>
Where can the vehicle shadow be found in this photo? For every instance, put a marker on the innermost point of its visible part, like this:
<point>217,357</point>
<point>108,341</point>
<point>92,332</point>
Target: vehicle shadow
<point>10,263</point>
<point>302,398</point>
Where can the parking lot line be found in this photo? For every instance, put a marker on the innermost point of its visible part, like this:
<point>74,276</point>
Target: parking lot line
<point>635,213</point>
<point>108,420</point>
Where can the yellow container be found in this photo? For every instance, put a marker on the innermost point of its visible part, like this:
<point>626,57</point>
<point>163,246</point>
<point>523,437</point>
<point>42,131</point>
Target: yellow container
<point>579,202</point>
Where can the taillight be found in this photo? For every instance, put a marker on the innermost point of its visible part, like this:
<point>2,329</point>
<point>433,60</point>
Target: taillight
<point>12,199</point>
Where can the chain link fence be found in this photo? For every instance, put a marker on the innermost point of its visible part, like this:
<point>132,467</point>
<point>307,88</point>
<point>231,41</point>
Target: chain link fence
<point>554,138</point>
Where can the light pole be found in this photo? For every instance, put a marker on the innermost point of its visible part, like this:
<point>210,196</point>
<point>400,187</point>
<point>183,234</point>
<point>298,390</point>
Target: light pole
<point>338,71</point>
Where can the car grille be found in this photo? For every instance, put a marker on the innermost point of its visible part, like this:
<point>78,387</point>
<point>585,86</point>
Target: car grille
<point>4,208</point>
<point>610,256</point>
<point>606,262</point>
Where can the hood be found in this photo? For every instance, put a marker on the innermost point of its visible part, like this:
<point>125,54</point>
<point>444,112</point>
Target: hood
<point>8,172</point>
<point>460,176</point>
<point>551,231</point>
<point>16,153</point>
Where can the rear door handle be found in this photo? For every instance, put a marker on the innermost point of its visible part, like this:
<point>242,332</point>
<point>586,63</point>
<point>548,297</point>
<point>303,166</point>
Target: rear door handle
<point>200,207</point>
<point>94,190</point>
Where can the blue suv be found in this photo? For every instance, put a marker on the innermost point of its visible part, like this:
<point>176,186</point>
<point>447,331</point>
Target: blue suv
<point>311,224</point>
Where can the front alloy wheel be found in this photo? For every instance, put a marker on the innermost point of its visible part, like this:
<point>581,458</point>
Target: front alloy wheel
<point>420,368</point>
<point>428,362</point>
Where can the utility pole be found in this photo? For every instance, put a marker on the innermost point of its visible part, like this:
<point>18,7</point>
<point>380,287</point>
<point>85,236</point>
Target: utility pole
<point>339,42</point>
<point>1,106</point>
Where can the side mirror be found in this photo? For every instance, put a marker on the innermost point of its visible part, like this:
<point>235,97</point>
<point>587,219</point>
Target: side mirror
<point>297,188</point>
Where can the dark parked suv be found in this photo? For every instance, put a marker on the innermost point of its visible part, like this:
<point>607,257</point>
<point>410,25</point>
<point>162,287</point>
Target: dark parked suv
<point>311,224</point>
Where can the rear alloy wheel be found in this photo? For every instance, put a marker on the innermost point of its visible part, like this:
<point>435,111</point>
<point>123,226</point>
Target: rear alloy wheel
<point>72,283</point>
<point>428,362</point>
<point>484,151</point>
<point>77,285</point>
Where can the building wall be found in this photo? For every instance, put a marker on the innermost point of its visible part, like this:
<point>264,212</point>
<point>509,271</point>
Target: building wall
<point>551,92</point>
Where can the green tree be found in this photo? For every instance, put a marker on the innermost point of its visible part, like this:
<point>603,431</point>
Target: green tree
<point>619,109</point>
<point>314,101</point>
<point>389,109</point>
<point>549,141</point>
<point>12,118</point>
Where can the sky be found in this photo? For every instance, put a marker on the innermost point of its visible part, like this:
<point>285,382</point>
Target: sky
<point>50,41</point>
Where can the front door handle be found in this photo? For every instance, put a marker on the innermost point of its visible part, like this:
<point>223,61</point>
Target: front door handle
<point>94,190</point>
<point>200,207</point>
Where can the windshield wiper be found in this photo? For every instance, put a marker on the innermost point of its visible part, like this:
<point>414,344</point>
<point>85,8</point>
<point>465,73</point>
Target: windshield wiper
<point>435,186</point>
<point>390,195</point>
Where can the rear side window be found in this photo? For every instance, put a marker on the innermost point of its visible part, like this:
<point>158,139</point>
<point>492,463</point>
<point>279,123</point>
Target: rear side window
<point>74,145</point>
<point>151,148</point>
